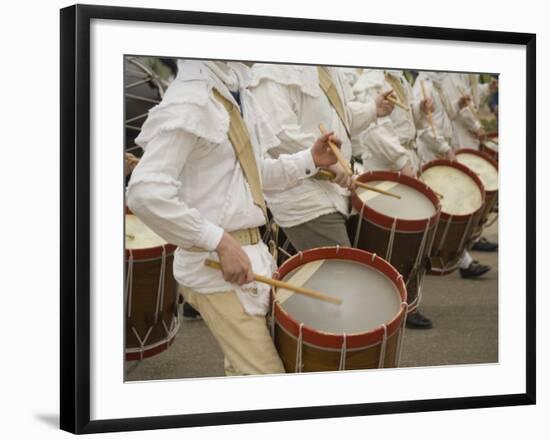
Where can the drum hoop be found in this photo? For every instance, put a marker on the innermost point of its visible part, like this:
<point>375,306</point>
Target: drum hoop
<point>132,354</point>
<point>484,156</point>
<point>333,349</point>
<point>333,340</point>
<point>467,171</point>
<point>376,217</point>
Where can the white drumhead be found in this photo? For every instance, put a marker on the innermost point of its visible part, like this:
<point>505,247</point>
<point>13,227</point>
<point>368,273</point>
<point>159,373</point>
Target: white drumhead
<point>139,236</point>
<point>369,298</point>
<point>461,194</point>
<point>486,172</point>
<point>413,204</point>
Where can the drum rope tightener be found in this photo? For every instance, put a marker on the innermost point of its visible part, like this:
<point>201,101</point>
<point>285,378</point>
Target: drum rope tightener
<point>415,269</point>
<point>343,353</point>
<point>299,343</point>
<point>383,347</point>
<point>160,289</point>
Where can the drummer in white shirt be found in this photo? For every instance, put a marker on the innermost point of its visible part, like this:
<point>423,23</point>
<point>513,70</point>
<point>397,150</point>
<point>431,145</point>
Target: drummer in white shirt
<point>390,143</point>
<point>192,189</point>
<point>450,113</point>
<point>462,95</point>
<point>298,99</point>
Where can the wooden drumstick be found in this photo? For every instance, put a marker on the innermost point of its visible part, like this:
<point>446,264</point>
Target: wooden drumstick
<point>280,284</point>
<point>336,151</point>
<point>396,102</point>
<point>368,187</point>
<point>430,117</point>
<point>437,193</point>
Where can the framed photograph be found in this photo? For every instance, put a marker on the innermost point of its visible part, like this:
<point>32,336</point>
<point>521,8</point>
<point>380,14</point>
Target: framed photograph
<point>285,218</point>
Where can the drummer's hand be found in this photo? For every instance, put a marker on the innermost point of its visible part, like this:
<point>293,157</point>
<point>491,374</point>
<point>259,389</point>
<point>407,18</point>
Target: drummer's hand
<point>322,154</point>
<point>450,155</point>
<point>384,107</point>
<point>408,170</point>
<point>464,101</point>
<point>481,134</point>
<point>236,266</point>
<point>427,105</point>
<point>342,178</point>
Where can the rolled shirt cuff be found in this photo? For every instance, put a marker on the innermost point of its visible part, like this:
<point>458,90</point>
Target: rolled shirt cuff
<point>210,236</point>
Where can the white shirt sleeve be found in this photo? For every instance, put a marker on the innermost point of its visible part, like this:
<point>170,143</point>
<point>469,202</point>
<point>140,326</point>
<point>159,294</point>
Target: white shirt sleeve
<point>278,101</point>
<point>287,170</point>
<point>363,114</point>
<point>383,143</point>
<point>152,194</point>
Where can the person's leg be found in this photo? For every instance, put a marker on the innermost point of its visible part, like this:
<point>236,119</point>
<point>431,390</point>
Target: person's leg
<point>324,231</point>
<point>243,338</point>
<point>469,268</point>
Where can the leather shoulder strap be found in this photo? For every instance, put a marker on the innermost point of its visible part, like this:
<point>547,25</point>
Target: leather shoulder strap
<point>240,139</point>
<point>330,90</point>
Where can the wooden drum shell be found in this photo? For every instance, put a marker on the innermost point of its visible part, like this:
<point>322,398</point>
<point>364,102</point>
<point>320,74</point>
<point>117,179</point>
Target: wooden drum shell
<point>454,232</point>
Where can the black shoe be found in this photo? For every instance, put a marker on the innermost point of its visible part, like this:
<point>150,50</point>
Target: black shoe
<point>418,321</point>
<point>485,246</point>
<point>190,313</point>
<point>474,270</point>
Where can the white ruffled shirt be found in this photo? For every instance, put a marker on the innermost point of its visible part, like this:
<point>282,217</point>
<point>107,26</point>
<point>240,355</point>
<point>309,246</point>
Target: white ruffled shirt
<point>430,147</point>
<point>382,145</point>
<point>189,187</point>
<point>464,121</point>
<point>296,104</point>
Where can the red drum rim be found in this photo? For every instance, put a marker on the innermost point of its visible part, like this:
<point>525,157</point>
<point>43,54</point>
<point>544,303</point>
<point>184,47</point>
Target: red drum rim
<point>331,340</point>
<point>387,221</point>
<point>467,171</point>
<point>482,155</point>
<point>148,253</point>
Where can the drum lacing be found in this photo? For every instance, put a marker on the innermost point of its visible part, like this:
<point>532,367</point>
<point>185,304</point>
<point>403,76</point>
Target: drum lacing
<point>402,334</point>
<point>142,342</point>
<point>373,257</point>
<point>283,251</point>
<point>389,250</point>
<point>383,347</point>
<point>160,290</point>
<point>358,228</point>
<point>418,259</point>
<point>337,248</point>
<point>343,352</point>
<point>129,278</point>
<point>301,256</point>
<point>445,231</point>
<point>299,342</point>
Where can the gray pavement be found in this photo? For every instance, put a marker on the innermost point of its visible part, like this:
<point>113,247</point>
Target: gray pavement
<point>464,313</point>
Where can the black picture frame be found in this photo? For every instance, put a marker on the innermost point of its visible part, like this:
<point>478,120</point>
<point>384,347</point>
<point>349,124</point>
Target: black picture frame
<point>75,217</point>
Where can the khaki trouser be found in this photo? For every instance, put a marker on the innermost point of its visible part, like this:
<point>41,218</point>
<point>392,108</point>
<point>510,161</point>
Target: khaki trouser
<point>324,231</point>
<point>243,338</point>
